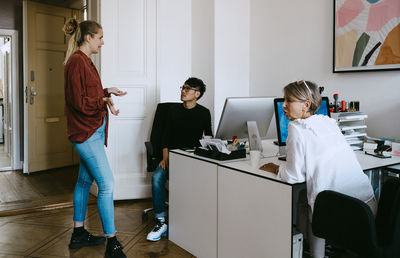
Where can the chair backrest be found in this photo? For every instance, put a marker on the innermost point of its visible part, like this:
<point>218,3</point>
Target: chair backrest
<point>345,221</point>
<point>395,243</point>
<point>388,217</point>
<point>154,151</point>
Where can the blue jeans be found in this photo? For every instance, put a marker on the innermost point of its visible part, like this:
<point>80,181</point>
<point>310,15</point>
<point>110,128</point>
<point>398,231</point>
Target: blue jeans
<point>94,166</point>
<point>159,179</point>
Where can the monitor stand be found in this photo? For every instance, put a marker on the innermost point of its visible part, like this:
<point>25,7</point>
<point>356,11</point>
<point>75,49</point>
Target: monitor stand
<point>282,150</point>
<point>254,136</point>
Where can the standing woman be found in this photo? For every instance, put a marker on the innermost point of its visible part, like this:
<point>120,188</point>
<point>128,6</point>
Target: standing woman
<point>317,153</point>
<point>87,118</point>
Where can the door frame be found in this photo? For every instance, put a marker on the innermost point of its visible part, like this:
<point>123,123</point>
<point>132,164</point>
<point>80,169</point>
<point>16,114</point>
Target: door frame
<point>16,162</point>
<point>25,86</point>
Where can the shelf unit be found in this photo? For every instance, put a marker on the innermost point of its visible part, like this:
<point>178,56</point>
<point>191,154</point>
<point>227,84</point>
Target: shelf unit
<point>353,127</point>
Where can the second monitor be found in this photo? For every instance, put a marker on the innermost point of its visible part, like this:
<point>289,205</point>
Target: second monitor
<point>282,122</point>
<point>238,110</point>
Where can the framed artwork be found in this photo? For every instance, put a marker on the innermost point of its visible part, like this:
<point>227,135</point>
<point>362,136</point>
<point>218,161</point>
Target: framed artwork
<point>366,35</point>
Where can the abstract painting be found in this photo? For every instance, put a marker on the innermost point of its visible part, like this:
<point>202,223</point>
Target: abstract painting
<point>366,35</point>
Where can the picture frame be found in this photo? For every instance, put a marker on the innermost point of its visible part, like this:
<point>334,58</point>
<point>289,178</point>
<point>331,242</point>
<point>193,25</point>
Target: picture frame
<point>366,35</point>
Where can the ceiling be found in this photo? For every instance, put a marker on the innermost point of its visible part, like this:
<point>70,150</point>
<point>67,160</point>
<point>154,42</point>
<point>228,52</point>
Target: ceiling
<point>73,4</point>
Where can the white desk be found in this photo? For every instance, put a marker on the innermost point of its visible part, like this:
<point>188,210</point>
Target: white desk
<point>368,162</point>
<point>229,209</point>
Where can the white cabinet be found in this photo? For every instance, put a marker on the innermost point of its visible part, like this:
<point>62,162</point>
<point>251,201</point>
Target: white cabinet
<point>353,127</point>
<point>216,208</point>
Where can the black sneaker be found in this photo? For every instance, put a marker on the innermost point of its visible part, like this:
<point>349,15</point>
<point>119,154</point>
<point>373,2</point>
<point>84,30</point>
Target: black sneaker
<point>85,239</point>
<point>114,250</point>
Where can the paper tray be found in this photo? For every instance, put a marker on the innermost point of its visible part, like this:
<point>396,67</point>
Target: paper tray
<point>214,154</point>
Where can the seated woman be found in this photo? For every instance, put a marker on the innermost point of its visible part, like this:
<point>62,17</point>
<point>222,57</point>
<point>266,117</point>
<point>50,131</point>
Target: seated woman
<point>317,152</point>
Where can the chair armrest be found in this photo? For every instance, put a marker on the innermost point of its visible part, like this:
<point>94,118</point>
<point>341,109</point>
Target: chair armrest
<point>345,221</point>
<point>149,148</point>
<point>152,161</point>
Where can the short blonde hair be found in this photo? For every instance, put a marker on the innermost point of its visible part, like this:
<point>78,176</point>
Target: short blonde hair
<point>303,91</point>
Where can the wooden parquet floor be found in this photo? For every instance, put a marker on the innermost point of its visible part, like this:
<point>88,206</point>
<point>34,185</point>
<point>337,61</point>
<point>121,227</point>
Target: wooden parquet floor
<point>32,223</point>
<point>47,234</point>
<point>51,189</point>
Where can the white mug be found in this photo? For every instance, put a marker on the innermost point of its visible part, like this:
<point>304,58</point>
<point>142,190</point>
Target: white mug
<point>255,157</point>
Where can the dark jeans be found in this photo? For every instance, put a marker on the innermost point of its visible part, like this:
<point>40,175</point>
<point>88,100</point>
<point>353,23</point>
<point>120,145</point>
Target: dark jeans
<point>159,179</point>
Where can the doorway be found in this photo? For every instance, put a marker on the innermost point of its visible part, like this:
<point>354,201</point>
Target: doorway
<point>54,187</point>
<point>45,143</point>
<point>9,102</point>
<point>5,86</point>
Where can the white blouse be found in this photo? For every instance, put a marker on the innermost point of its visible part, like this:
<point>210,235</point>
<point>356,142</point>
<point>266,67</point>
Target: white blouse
<point>317,152</point>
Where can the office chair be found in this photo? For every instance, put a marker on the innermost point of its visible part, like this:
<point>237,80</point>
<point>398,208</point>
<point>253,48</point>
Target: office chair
<point>349,223</point>
<point>153,147</point>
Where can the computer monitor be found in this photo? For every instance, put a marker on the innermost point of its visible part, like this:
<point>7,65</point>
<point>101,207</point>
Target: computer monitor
<point>282,122</point>
<point>238,110</point>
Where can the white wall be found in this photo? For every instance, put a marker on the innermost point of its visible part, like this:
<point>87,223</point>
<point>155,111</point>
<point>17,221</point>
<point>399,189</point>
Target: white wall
<point>185,46</point>
<point>293,40</point>
<point>232,51</point>
<point>173,47</point>
<point>208,39</point>
<point>203,48</point>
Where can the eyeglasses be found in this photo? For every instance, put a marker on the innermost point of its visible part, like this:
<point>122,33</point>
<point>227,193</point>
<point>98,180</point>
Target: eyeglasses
<point>304,82</point>
<point>187,88</point>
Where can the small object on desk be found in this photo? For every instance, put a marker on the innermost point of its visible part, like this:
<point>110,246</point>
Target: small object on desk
<point>369,145</point>
<point>231,147</point>
<point>378,155</point>
<point>381,148</point>
<point>378,152</point>
<point>282,158</point>
<point>336,98</point>
<point>255,157</point>
<point>343,106</point>
<point>357,105</point>
<point>217,144</point>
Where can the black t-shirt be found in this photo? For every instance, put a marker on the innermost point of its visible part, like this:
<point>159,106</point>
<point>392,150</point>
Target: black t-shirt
<point>184,127</point>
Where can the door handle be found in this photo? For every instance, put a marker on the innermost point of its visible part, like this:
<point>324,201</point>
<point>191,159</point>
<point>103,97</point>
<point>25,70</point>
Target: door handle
<point>33,94</point>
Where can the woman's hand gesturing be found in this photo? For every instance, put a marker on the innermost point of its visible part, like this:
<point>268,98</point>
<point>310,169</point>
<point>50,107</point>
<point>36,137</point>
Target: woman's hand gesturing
<point>110,104</point>
<point>116,91</point>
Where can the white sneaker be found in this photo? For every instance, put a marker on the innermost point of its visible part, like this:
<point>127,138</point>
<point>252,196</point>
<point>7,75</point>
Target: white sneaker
<point>158,231</point>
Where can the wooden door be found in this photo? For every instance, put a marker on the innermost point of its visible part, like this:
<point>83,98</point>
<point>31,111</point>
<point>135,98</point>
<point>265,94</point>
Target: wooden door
<point>48,146</point>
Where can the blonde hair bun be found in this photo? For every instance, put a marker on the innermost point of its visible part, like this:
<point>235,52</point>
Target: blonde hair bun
<point>70,26</point>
